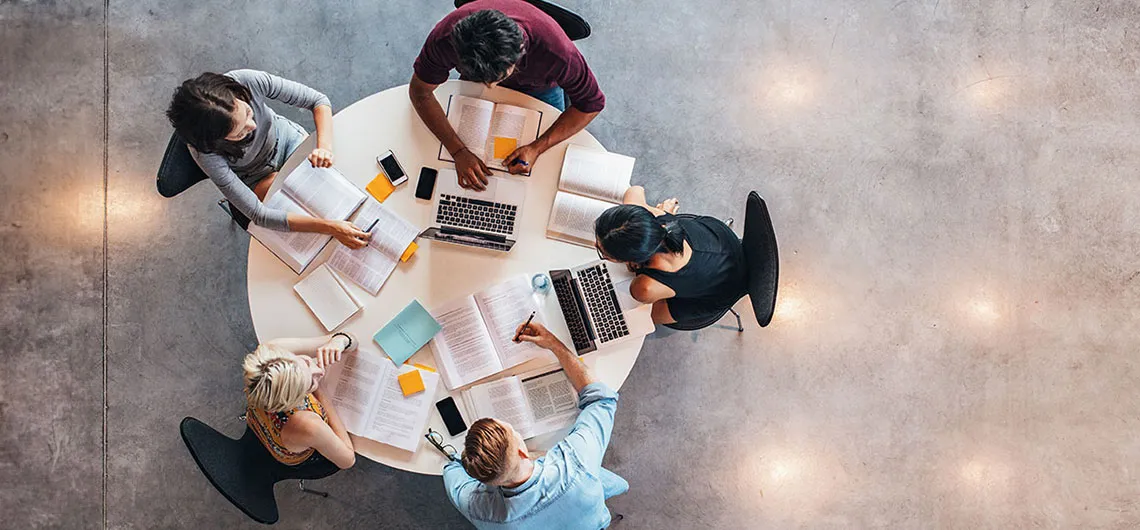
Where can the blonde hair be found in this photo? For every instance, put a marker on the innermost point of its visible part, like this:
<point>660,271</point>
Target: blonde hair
<point>273,380</point>
<point>485,451</point>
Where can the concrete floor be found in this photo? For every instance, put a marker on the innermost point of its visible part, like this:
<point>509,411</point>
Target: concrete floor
<point>952,182</point>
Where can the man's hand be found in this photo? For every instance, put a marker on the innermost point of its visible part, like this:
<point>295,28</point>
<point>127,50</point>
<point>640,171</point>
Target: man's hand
<point>522,159</point>
<point>472,172</point>
<point>321,158</point>
<point>538,334</point>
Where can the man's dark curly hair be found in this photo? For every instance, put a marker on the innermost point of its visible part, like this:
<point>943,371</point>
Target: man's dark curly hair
<point>488,43</point>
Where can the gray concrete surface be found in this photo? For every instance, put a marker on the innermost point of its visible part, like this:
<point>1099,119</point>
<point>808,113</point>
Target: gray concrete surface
<point>952,183</point>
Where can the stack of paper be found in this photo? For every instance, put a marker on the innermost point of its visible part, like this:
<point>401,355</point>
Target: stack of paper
<point>327,298</point>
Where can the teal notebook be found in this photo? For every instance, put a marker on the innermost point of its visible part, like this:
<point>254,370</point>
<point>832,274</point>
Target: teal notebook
<point>407,333</point>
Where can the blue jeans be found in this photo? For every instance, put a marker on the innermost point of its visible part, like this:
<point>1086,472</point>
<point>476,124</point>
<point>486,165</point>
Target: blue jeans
<point>612,484</point>
<point>555,97</point>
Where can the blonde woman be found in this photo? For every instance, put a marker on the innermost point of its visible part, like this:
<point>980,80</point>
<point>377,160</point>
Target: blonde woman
<point>285,407</point>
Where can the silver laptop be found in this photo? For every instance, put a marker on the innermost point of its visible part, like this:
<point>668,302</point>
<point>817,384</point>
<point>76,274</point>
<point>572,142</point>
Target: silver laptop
<point>597,306</point>
<point>484,219</point>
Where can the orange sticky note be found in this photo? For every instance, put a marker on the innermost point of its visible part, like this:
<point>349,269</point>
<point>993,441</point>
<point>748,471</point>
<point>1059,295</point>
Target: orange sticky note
<point>505,146</point>
<point>380,188</point>
<point>409,251</point>
<point>411,382</point>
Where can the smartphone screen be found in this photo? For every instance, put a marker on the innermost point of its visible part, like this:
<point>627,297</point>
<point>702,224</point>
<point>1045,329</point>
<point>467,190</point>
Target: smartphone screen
<point>451,417</point>
<point>392,169</point>
<point>426,184</point>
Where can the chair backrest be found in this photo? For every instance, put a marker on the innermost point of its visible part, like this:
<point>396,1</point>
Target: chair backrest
<point>242,475</point>
<point>763,259</point>
<point>178,170</point>
<point>574,25</point>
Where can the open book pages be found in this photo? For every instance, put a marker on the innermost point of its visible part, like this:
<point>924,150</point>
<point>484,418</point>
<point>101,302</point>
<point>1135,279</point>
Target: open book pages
<point>371,266</point>
<point>592,181</point>
<point>295,249</point>
<point>490,131</point>
<point>367,395</point>
<point>327,297</point>
<point>324,193</point>
<point>534,405</point>
<point>477,335</point>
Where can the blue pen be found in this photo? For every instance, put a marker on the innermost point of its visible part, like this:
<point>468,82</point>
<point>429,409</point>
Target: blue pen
<point>517,161</point>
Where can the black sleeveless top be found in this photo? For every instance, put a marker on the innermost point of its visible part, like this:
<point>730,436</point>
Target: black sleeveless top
<point>716,275</point>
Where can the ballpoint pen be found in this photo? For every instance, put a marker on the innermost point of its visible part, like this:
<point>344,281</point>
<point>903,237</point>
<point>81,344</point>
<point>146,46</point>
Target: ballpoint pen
<point>519,332</point>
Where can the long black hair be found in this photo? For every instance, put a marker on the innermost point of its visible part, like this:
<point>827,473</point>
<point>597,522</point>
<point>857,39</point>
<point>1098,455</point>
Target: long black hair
<point>201,112</point>
<point>632,234</point>
<point>488,43</point>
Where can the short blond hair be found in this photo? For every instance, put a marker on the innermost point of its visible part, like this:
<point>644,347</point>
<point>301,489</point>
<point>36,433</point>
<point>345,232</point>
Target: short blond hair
<point>486,450</point>
<point>273,380</point>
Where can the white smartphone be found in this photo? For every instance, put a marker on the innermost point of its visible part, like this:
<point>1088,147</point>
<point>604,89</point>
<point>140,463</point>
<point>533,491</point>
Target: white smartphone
<point>392,168</point>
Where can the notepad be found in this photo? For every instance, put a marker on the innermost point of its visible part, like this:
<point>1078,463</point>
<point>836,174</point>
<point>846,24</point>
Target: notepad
<point>380,187</point>
<point>327,298</point>
<point>411,382</point>
<point>407,333</point>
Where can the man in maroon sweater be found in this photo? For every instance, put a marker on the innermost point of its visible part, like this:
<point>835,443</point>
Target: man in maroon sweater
<point>513,44</point>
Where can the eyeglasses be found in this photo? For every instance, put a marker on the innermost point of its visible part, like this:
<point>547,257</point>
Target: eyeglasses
<point>437,440</point>
<point>599,251</point>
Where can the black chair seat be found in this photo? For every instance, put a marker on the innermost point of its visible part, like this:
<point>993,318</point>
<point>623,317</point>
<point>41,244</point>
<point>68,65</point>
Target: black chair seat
<point>242,470</point>
<point>574,25</point>
<point>763,258</point>
<point>178,171</point>
<point>694,325</point>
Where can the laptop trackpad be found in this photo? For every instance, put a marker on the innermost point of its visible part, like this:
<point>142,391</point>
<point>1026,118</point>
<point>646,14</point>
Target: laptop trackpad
<point>625,300</point>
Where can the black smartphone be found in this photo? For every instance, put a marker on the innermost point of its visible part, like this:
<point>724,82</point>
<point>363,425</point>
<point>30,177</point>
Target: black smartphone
<point>426,185</point>
<point>451,417</point>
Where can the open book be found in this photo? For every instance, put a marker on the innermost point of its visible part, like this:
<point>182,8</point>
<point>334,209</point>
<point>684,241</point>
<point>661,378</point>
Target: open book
<point>478,333</point>
<point>314,191</point>
<point>490,130</point>
<point>368,398</point>
<point>532,405</point>
<point>592,181</point>
<point>371,265</point>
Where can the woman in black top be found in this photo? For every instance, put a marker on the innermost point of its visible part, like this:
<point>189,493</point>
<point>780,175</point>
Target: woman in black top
<point>689,267</point>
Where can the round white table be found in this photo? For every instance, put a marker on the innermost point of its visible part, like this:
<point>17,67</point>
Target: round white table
<point>437,272</point>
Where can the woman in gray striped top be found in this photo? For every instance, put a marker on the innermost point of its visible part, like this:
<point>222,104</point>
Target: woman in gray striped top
<point>240,143</point>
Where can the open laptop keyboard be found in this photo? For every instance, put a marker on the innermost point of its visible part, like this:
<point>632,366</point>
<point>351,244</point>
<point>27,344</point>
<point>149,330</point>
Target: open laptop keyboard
<point>476,214</point>
<point>575,320</point>
<point>598,290</point>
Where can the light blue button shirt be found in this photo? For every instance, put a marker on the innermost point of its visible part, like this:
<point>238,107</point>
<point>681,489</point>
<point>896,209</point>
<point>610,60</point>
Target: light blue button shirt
<point>568,488</point>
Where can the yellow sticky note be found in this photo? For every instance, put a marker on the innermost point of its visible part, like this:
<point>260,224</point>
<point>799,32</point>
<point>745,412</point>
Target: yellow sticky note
<point>409,251</point>
<point>380,188</point>
<point>411,382</point>
<point>505,146</point>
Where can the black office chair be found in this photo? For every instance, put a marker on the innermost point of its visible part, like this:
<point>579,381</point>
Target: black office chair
<point>574,25</point>
<point>762,259</point>
<point>178,172</point>
<point>243,471</point>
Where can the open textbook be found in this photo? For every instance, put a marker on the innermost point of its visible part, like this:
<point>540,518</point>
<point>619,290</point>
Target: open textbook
<point>319,192</point>
<point>491,131</point>
<point>478,331</point>
<point>369,400</point>
<point>532,405</point>
<point>371,265</point>
<point>592,181</point>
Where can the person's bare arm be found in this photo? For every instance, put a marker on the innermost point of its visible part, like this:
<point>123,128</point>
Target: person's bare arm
<point>327,349</point>
<point>471,170</point>
<point>306,429</point>
<point>567,125</point>
<point>577,372</point>
<point>647,290</point>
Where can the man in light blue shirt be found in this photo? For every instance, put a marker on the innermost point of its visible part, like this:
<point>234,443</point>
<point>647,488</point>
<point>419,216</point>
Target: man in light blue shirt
<point>498,485</point>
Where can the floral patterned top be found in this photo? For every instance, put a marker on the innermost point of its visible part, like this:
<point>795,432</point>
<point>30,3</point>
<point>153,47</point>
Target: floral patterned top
<point>268,425</point>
